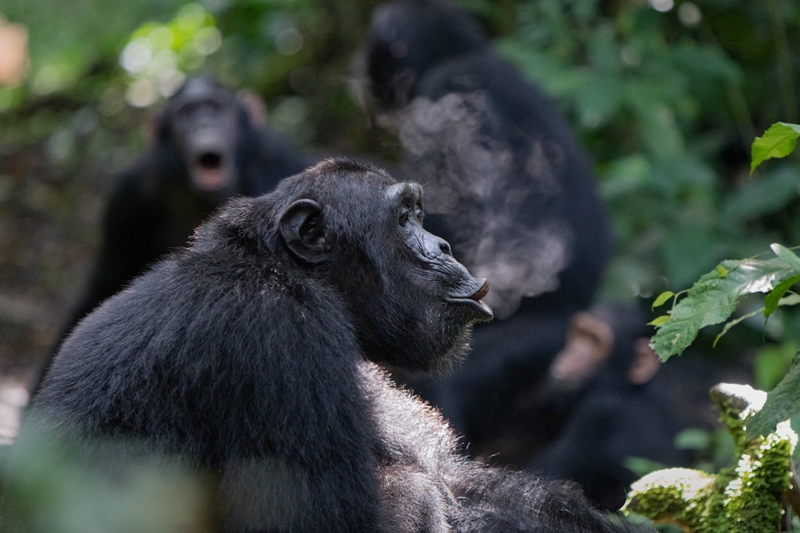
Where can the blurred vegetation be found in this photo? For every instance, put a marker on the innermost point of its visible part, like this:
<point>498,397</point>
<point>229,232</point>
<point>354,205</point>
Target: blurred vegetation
<point>667,95</point>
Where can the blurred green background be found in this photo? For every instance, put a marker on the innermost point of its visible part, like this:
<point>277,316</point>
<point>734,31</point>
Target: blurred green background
<point>667,96</point>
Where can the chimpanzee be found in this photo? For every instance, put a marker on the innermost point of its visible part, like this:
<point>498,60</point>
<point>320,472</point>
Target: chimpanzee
<point>506,183</point>
<point>612,405</point>
<point>206,149</point>
<point>244,356</point>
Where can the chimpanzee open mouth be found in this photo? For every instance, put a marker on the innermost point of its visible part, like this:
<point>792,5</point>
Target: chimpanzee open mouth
<point>210,161</point>
<point>210,173</point>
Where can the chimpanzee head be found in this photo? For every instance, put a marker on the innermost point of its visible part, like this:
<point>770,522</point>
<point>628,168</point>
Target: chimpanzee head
<point>203,123</point>
<point>407,38</point>
<point>351,226</point>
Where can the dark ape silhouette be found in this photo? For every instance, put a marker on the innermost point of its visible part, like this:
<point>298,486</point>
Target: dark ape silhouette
<point>506,184</point>
<point>244,356</point>
<point>614,406</point>
<point>206,149</point>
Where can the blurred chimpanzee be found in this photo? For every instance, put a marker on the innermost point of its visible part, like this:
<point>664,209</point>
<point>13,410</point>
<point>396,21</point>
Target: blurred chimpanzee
<point>244,356</point>
<point>206,149</point>
<point>507,184</point>
<point>604,393</point>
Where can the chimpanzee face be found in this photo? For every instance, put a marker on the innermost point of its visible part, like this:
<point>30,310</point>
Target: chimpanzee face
<point>413,305</point>
<point>205,131</point>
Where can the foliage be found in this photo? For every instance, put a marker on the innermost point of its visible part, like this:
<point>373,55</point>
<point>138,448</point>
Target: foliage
<point>744,498</point>
<point>778,141</point>
<point>714,297</point>
<point>157,56</point>
<point>49,487</point>
<point>717,294</point>
<point>667,100</point>
<point>783,402</point>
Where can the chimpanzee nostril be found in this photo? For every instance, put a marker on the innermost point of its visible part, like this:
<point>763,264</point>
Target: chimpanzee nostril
<point>445,248</point>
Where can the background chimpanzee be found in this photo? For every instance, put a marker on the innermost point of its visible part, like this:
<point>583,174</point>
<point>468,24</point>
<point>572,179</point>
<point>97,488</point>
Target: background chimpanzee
<point>206,149</point>
<point>607,403</point>
<point>243,356</point>
<point>506,183</point>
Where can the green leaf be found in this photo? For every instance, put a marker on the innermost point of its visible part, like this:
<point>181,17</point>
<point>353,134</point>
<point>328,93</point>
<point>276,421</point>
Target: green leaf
<point>692,439</point>
<point>792,299</point>
<point>782,402</point>
<point>659,321</point>
<point>713,298</point>
<point>772,299</point>
<point>722,271</point>
<point>771,364</point>
<point>770,192</point>
<point>778,141</point>
<point>642,466</point>
<point>786,254</point>
<point>663,297</point>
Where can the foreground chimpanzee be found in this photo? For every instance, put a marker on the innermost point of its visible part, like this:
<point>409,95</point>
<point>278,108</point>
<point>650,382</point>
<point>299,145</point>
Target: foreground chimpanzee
<point>206,149</point>
<point>244,356</point>
<point>506,183</point>
<point>610,403</point>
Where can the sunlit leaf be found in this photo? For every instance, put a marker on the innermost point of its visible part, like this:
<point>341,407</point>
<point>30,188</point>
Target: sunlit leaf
<point>778,141</point>
<point>662,298</point>
<point>722,271</point>
<point>713,298</point>
<point>786,254</point>
<point>789,300</point>
<point>659,321</point>
<point>772,299</point>
<point>782,402</point>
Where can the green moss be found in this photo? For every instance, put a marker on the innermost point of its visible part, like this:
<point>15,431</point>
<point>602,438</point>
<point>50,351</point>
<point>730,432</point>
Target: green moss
<point>677,495</point>
<point>741,499</point>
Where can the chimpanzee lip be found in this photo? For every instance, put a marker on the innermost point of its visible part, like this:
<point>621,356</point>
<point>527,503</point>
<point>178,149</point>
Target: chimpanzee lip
<point>475,300</point>
<point>480,293</point>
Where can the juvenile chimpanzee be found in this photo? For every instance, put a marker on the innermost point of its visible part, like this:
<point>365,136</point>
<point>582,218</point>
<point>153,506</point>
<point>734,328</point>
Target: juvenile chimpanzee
<point>206,149</point>
<point>244,356</point>
<point>506,183</point>
<point>613,406</point>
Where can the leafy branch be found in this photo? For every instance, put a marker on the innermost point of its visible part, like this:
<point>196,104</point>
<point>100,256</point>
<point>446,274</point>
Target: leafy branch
<point>716,295</point>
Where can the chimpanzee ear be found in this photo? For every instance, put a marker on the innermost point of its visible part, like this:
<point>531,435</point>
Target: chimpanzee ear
<point>303,230</point>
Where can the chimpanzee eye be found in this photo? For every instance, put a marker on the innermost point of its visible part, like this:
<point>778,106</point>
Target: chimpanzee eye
<point>403,218</point>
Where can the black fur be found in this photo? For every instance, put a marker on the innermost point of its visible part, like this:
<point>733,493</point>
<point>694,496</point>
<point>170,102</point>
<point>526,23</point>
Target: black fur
<point>609,420</point>
<point>426,486</point>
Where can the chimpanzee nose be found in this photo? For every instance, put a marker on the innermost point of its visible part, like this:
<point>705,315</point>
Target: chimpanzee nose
<point>444,246</point>
<point>436,246</point>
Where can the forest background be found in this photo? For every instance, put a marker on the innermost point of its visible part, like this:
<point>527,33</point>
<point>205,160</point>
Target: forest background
<point>666,96</point>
